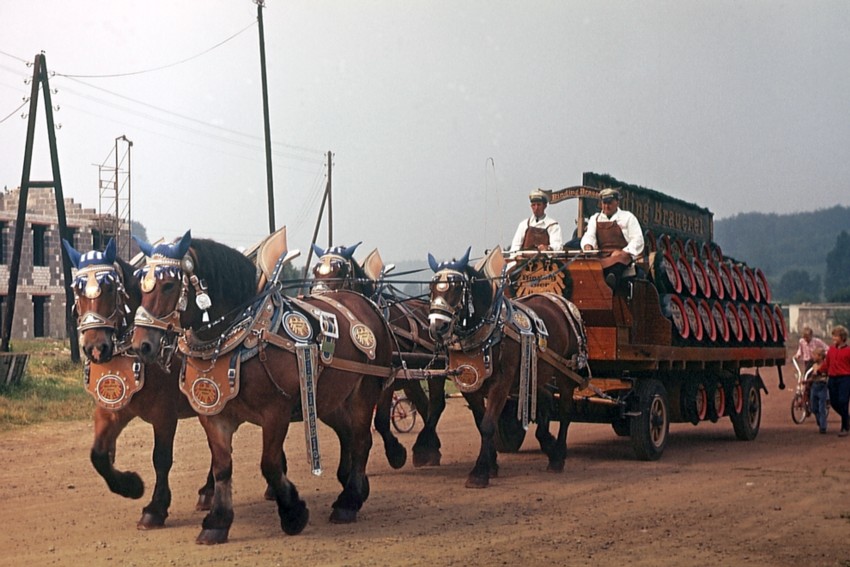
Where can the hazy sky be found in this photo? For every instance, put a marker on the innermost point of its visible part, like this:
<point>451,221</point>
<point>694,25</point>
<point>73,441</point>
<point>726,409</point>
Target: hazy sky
<point>442,115</point>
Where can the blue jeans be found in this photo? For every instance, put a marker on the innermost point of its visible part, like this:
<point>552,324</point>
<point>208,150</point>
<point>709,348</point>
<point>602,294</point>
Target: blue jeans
<point>818,398</point>
<point>839,398</point>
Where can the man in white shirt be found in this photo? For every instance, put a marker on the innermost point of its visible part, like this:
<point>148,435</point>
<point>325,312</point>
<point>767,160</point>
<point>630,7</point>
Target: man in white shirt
<point>538,232</point>
<point>616,233</point>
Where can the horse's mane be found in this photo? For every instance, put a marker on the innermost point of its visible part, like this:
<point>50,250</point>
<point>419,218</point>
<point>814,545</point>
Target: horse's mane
<point>230,276</point>
<point>362,279</point>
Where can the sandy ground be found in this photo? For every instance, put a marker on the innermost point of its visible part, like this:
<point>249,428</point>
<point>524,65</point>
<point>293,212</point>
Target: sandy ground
<point>783,499</point>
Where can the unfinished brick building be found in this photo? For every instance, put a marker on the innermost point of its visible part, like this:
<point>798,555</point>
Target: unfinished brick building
<point>40,305</point>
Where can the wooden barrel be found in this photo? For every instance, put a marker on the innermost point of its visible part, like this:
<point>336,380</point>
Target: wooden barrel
<point>701,276</point>
<point>780,323</point>
<point>666,275</point>
<point>674,308</point>
<point>764,288</point>
<point>709,328</point>
<point>752,285</point>
<point>718,291</point>
<point>716,253</point>
<point>759,322</point>
<point>740,286</point>
<point>731,293</point>
<point>678,247</point>
<point>691,248</point>
<point>694,320</point>
<point>770,323</point>
<point>689,282</point>
<point>736,330</point>
<point>721,323</point>
<point>747,322</point>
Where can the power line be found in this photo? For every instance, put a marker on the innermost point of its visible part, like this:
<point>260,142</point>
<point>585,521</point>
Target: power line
<point>114,75</point>
<point>5,118</point>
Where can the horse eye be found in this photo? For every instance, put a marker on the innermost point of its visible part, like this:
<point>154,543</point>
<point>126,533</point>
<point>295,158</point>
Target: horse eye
<point>167,286</point>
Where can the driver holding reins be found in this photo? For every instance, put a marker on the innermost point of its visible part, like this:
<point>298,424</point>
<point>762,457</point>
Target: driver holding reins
<point>616,233</point>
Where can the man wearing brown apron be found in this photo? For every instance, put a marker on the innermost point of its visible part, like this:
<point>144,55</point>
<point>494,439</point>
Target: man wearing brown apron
<point>538,232</point>
<point>616,234</point>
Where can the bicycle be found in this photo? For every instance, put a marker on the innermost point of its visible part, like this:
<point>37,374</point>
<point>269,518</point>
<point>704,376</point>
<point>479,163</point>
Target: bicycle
<point>801,404</point>
<point>403,414</point>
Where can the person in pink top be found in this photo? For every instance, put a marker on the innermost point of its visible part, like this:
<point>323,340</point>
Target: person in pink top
<point>808,343</point>
<point>837,367</point>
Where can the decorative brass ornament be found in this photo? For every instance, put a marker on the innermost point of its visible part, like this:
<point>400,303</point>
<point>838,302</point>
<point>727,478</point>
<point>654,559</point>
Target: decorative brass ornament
<point>205,392</point>
<point>363,336</point>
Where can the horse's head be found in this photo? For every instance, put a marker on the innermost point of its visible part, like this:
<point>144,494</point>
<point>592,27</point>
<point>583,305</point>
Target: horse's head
<point>336,269</point>
<point>164,297</point>
<point>101,301</point>
<point>190,285</point>
<point>452,301</point>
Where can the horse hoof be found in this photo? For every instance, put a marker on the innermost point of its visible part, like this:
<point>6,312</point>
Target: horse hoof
<point>212,536</point>
<point>295,524</point>
<point>343,516</point>
<point>396,456</point>
<point>150,521</point>
<point>476,482</point>
<point>204,502</point>
<point>269,495</point>
<point>556,467</point>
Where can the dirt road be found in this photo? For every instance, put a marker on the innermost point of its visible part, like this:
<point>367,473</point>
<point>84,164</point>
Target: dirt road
<point>783,499</point>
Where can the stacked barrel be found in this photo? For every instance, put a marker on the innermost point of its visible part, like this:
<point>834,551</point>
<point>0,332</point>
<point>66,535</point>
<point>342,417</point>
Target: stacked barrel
<point>710,299</point>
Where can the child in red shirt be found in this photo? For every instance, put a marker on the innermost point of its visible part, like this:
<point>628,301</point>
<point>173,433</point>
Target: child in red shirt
<point>837,367</point>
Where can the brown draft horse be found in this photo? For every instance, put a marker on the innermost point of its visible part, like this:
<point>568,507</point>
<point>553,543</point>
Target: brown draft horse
<point>106,296</point>
<point>470,318</point>
<point>408,319</point>
<point>185,281</point>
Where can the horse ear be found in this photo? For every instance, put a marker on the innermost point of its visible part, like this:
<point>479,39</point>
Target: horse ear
<point>433,263</point>
<point>465,260</point>
<point>73,255</point>
<point>349,252</point>
<point>110,251</point>
<point>184,244</point>
<point>318,251</point>
<point>146,248</point>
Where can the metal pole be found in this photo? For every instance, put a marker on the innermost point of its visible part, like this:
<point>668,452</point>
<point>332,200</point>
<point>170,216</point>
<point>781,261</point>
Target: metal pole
<point>330,201</point>
<point>260,4</point>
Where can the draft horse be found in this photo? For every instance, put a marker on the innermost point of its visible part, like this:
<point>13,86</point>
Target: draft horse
<point>497,346</point>
<point>106,294</point>
<point>338,347</point>
<point>337,269</point>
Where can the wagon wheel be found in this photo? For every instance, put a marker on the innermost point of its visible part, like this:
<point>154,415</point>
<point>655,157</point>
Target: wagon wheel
<point>649,429</point>
<point>510,434</point>
<point>748,420</point>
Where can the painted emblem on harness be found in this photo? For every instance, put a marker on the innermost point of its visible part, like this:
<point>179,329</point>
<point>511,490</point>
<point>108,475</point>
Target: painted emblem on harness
<point>363,336</point>
<point>205,392</point>
<point>111,389</point>
<point>521,320</point>
<point>297,326</point>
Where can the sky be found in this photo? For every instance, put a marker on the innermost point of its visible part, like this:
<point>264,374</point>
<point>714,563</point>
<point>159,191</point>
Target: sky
<point>441,116</point>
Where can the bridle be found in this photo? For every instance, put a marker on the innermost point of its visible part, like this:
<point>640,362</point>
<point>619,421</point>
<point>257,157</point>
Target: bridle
<point>329,264</point>
<point>440,310</point>
<point>158,267</point>
<point>87,284</point>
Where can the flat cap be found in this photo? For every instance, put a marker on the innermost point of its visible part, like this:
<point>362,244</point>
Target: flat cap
<point>606,194</point>
<point>538,196</point>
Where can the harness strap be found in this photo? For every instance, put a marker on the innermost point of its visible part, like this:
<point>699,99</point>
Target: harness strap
<point>344,365</point>
<point>561,364</point>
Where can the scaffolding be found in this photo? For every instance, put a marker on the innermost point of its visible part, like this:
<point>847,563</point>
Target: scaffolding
<point>114,188</point>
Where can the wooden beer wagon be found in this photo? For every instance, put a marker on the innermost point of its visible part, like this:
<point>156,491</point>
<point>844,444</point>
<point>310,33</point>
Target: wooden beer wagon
<point>684,339</point>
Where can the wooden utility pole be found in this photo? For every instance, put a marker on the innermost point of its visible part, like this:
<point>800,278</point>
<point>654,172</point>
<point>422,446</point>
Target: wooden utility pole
<point>330,201</point>
<point>269,180</point>
<point>39,77</point>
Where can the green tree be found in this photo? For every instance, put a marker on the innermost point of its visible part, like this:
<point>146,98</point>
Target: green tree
<point>797,286</point>
<point>837,281</point>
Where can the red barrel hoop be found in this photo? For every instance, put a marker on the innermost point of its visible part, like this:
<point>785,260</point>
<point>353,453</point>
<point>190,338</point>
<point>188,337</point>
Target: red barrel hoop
<point>736,330</point>
<point>740,285</point>
<point>750,281</point>
<point>747,322</point>
<point>728,282</point>
<point>694,320</point>
<point>717,289</point>
<point>764,288</point>
<point>689,282</point>
<point>674,308</point>
<point>770,322</point>
<point>709,328</point>
<point>701,275</point>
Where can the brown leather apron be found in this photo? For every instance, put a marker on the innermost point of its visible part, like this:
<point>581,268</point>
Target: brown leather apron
<point>534,237</point>
<point>609,238</point>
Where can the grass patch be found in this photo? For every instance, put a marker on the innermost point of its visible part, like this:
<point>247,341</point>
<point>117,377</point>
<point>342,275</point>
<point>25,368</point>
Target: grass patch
<point>51,389</point>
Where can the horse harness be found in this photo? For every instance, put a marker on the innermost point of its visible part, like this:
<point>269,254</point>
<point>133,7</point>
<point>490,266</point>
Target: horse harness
<point>112,384</point>
<point>470,355</point>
